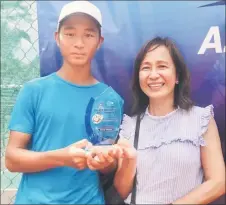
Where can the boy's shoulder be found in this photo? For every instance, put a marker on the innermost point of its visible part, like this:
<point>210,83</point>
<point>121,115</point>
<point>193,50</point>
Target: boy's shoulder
<point>39,82</point>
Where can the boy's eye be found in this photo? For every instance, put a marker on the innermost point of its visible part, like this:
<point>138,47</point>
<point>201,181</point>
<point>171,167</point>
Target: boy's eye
<point>89,35</point>
<point>69,34</point>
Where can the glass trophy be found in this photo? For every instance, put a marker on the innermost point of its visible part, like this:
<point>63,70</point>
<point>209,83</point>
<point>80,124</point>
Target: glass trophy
<point>103,118</point>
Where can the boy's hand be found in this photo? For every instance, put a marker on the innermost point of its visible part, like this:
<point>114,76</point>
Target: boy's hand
<point>75,154</point>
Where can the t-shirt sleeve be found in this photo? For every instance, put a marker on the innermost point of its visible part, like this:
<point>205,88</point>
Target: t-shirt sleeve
<point>22,117</point>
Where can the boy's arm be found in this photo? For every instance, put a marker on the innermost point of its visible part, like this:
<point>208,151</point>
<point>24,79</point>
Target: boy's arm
<point>19,159</point>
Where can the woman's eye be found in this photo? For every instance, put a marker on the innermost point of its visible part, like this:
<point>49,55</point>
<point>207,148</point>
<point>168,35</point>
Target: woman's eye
<point>162,66</point>
<point>145,68</point>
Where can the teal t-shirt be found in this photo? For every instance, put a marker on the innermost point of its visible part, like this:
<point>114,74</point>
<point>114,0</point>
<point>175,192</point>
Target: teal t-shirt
<point>53,111</point>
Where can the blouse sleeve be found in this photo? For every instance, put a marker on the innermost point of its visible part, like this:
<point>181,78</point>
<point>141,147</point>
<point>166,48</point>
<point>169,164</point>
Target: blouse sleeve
<point>127,127</point>
<point>206,115</point>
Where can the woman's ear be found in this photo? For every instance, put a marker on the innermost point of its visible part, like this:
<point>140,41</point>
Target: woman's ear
<point>177,80</point>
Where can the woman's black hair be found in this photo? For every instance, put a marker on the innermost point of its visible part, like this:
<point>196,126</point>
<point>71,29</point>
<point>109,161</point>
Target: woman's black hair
<point>182,89</point>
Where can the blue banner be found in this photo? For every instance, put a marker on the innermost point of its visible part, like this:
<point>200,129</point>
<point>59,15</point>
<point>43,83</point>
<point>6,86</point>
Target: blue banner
<point>198,27</point>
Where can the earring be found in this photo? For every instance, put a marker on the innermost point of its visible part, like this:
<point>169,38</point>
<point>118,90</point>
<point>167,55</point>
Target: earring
<point>177,82</point>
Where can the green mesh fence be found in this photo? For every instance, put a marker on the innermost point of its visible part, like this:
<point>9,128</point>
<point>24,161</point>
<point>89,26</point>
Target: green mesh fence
<point>19,64</point>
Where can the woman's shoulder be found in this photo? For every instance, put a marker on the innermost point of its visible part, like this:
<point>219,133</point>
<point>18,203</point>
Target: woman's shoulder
<point>196,120</point>
<point>201,110</point>
<point>127,127</point>
<point>198,112</point>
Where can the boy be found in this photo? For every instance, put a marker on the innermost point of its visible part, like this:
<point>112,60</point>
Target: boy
<point>47,127</point>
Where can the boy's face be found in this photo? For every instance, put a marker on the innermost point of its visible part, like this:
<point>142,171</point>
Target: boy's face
<point>78,39</point>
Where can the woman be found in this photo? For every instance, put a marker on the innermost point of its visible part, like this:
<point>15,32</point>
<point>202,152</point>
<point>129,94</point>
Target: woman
<point>179,158</point>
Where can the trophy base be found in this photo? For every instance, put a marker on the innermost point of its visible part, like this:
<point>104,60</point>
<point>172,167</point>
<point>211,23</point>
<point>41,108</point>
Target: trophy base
<point>106,142</point>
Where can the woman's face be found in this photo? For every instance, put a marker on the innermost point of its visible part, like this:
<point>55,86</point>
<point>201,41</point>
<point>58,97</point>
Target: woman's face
<point>157,74</point>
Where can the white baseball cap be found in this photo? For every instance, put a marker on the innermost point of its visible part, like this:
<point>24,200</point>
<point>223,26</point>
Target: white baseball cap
<point>80,7</point>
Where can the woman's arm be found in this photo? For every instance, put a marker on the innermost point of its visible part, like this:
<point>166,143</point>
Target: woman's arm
<point>214,170</point>
<point>126,171</point>
<point>124,177</point>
